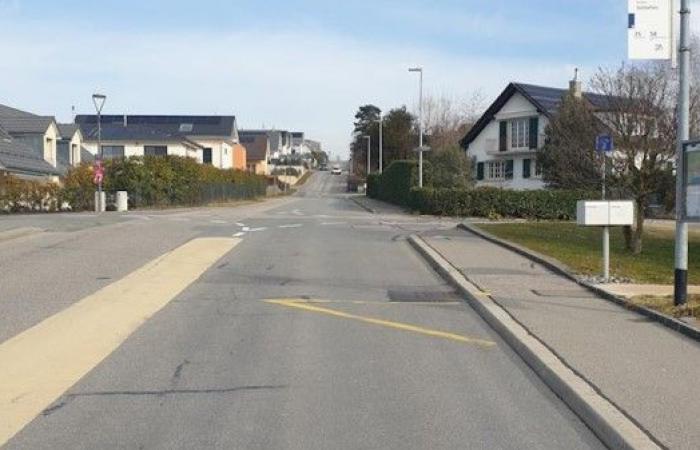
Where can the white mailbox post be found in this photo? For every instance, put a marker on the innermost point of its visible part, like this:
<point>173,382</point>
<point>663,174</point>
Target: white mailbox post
<point>603,213</point>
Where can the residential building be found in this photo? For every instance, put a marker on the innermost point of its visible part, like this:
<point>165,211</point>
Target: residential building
<point>297,142</point>
<point>210,139</point>
<point>280,143</point>
<point>257,144</point>
<point>22,161</point>
<point>39,134</point>
<point>69,147</point>
<point>504,142</point>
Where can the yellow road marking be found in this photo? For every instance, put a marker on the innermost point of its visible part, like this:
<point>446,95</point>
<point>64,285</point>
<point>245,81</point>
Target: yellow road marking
<point>38,365</point>
<point>292,303</point>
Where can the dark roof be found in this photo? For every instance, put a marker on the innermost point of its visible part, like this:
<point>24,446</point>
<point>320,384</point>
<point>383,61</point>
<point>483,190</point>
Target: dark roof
<point>132,132</point>
<point>8,111</point>
<point>67,130</point>
<point>256,147</point>
<point>18,157</point>
<point>545,99</point>
<point>28,124</point>
<point>223,126</point>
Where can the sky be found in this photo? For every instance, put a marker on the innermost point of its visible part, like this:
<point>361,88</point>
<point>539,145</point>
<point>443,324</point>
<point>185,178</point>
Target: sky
<point>295,65</point>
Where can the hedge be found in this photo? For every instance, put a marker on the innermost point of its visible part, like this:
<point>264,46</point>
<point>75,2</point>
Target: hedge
<point>496,203</point>
<point>398,185</point>
<point>18,195</point>
<point>162,181</point>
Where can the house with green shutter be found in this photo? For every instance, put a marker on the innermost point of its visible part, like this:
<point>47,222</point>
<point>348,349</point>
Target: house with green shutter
<point>503,143</point>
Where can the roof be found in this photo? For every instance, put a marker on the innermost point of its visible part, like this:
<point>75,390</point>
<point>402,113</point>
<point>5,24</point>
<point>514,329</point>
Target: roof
<point>545,99</point>
<point>67,130</point>
<point>220,126</point>
<point>257,147</point>
<point>26,124</point>
<point>18,157</point>
<point>8,111</point>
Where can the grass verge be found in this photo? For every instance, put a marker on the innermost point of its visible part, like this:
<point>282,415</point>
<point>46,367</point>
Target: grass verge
<point>665,305</point>
<point>580,248</point>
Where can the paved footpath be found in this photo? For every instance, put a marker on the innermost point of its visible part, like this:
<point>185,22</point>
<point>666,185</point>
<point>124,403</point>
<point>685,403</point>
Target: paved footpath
<point>647,370</point>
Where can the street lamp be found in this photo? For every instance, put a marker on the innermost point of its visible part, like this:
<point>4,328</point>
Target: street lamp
<point>99,101</point>
<point>369,141</point>
<point>381,151</point>
<point>420,149</point>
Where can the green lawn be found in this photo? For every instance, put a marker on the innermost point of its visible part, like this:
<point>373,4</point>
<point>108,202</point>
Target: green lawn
<point>580,248</point>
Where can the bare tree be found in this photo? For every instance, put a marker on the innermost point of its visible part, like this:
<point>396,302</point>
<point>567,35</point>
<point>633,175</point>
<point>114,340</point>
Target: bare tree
<point>446,119</point>
<point>638,106</point>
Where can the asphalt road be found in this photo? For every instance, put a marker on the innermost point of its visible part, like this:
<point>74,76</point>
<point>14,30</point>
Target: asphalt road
<point>321,329</point>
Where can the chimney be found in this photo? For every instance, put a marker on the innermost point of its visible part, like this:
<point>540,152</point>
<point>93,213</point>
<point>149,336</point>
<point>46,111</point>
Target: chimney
<point>125,121</point>
<point>575,86</point>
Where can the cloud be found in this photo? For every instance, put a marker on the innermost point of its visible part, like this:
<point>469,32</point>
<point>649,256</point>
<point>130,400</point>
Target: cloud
<point>302,80</point>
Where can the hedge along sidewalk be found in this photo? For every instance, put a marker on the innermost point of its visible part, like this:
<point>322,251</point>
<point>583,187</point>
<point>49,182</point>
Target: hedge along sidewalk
<point>649,372</point>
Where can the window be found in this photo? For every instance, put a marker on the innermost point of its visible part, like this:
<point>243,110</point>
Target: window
<point>519,133</point>
<point>155,150</point>
<point>186,127</point>
<point>206,156</point>
<point>112,151</point>
<point>496,170</point>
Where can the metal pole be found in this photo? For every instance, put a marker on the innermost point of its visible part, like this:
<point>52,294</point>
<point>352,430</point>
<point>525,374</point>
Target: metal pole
<point>606,234</point>
<point>99,205</point>
<point>381,150</point>
<point>680,285</point>
<point>420,131</point>
<point>369,148</point>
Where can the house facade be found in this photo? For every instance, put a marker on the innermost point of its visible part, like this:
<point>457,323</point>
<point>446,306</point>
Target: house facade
<point>21,161</point>
<point>258,153</point>
<point>209,139</point>
<point>69,147</point>
<point>504,142</point>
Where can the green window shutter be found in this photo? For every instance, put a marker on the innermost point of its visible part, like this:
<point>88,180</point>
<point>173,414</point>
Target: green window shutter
<point>526,168</point>
<point>503,136</point>
<point>534,131</point>
<point>480,171</point>
<point>509,169</point>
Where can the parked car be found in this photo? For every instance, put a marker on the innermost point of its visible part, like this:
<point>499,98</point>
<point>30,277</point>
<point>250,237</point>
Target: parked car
<point>336,170</point>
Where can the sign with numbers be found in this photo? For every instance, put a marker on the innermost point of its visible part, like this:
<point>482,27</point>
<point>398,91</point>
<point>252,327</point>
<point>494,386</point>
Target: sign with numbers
<point>650,29</point>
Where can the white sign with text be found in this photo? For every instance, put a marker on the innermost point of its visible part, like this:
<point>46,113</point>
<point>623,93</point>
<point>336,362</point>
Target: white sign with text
<point>650,29</point>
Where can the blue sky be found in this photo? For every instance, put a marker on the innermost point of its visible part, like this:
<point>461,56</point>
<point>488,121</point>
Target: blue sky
<point>303,65</point>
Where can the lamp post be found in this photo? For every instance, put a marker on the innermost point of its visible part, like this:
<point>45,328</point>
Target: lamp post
<point>381,150</point>
<point>420,123</point>
<point>99,101</point>
<point>369,148</point>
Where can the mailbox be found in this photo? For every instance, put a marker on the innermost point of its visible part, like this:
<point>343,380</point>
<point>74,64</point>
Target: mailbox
<point>601,213</point>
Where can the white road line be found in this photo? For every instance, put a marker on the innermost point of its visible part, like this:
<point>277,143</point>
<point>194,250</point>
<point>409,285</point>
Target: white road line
<point>246,228</point>
<point>218,221</point>
<point>239,234</point>
<point>333,223</point>
<point>294,225</point>
<point>240,224</point>
<point>252,230</point>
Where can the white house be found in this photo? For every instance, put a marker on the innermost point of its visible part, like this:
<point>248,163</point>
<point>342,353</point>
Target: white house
<point>504,141</point>
<point>69,147</point>
<point>39,133</point>
<point>210,139</point>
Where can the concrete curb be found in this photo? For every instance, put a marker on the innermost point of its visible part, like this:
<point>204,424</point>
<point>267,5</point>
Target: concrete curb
<point>611,425</point>
<point>362,205</point>
<point>18,233</point>
<point>561,269</point>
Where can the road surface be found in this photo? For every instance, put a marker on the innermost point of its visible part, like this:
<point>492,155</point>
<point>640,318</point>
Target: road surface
<point>313,325</point>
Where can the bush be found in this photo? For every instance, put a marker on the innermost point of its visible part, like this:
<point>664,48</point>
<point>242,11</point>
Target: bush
<point>162,181</point>
<point>18,195</point>
<point>496,203</point>
<point>395,183</point>
<point>291,171</point>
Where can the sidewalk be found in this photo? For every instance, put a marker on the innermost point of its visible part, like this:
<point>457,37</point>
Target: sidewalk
<point>650,372</point>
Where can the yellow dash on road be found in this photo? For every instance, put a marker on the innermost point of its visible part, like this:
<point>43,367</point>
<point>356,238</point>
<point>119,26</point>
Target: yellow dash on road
<point>38,365</point>
<point>305,305</point>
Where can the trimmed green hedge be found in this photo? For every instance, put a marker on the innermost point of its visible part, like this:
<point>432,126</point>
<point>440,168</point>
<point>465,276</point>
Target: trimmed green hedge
<point>496,203</point>
<point>163,181</point>
<point>398,183</point>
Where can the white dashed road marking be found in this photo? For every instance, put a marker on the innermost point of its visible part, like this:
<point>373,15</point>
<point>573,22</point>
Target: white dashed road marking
<point>239,234</point>
<point>294,225</point>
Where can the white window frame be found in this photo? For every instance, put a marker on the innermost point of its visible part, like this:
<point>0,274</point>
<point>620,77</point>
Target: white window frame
<point>519,133</point>
<point>495,170</point>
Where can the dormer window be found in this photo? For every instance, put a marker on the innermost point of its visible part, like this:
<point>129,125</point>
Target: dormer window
<point>186,127</point>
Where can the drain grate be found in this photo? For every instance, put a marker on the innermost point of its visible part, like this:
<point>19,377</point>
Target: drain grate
<point>409,296</point>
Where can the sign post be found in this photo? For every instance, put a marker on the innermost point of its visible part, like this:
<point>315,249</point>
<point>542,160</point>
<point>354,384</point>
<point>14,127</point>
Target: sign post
<point>604,145</point>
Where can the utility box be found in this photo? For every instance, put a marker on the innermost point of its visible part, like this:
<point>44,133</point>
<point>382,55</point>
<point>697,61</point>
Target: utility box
<point>122,201</point>
<point>602,213</point>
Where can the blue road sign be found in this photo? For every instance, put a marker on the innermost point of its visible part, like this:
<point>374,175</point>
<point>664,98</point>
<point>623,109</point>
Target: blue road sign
<point>604,143</point>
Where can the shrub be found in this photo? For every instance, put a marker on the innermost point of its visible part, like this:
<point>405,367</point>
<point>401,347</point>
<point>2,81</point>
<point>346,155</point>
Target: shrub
<point>18,195</point>
<point>497,203</point>
<point>395,183</point>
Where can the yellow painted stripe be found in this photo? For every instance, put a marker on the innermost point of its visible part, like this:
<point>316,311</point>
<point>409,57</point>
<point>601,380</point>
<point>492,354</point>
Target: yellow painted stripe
<point>38,365</point>
<point>292,303</point>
